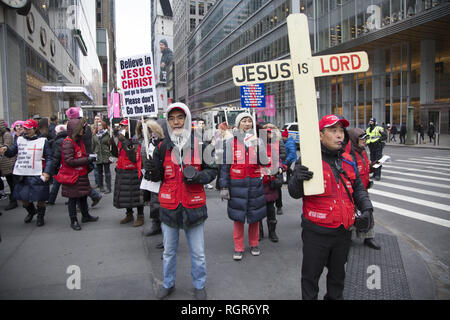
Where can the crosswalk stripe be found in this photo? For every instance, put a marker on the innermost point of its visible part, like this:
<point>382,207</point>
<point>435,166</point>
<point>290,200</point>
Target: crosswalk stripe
<point>423,183</point>
<point>410,189</point>
<point>411,200</point>
<point>416,170</point>
<point>416,175</point>
<point>438,158</point>
<point>427,162</point>
<point>425,165</point>
<point>412,214</point>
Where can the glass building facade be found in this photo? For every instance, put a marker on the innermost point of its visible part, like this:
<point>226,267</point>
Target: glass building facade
<point>407,42</point>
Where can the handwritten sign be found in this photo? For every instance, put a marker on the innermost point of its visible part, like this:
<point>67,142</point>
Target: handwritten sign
<point>29,157</point>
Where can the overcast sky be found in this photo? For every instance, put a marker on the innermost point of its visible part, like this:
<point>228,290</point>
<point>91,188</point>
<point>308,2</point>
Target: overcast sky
<point>132,27</point>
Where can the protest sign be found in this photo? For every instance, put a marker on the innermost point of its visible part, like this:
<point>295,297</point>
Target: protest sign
<point>137,86</point>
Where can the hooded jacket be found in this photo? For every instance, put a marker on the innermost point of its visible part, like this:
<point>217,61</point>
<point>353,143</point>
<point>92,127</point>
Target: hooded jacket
<point>179,146</point>
<point>6,139</point>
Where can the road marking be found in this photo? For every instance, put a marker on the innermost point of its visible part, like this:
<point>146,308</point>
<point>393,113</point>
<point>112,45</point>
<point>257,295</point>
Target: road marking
<point>412,214</point>
<point>411,200</point>
<point>415,175</point>
<point>438,158</point>
<point>425,165</point>
<point>427,162</point>
<point>421,191</point>
<point>417,170</point>
<point>423,183</point>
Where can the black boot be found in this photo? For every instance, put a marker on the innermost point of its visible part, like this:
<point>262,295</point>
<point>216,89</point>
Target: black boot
<point>12,203</point>
<point>40,216</point>
<point>155,228</point>
<point>272,224</point>
<point>31,212</point>
<point>74,224</point>
<point>370,242</point>
<point>261,231</point>
<point>86,217</point>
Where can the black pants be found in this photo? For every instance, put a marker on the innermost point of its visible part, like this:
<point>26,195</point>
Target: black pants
<point>279,201</point>
<point>376,153</point>
<point>319,251</point>
<point>140,211</point>
<point>73,206</point>
<point>104,167</point>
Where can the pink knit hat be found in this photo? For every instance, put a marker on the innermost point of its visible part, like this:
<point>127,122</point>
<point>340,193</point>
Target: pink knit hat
<point>73,113</point>
<point>20,122</point>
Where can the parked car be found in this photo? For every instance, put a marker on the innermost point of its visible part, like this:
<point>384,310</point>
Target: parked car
<point>292,128</point>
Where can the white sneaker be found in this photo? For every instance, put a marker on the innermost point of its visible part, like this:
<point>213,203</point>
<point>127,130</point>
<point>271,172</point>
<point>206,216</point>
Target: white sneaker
<point>208,186</point>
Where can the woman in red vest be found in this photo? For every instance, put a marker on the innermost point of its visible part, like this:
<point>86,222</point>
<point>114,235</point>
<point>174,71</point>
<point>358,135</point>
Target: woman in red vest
<point>127,192</point>
<point>74,162</point>
<point>241,184</point>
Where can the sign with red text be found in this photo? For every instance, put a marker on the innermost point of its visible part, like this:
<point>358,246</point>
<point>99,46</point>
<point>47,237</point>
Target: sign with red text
<point>136,78</point>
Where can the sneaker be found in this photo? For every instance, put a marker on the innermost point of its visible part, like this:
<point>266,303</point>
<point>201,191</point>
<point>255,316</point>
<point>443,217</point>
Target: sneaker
<point>238,255</point>
<point>208,186</point>
<point>200,294</point>
<point>255,251</point>
<point>163,292</point>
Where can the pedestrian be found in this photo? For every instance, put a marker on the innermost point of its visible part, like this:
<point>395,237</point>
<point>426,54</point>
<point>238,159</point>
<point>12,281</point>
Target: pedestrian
<point>272,180</point>
<point>52,127</point>
<point>94,127</point>
<point>61,135</point>
<point>102,148</point>
<point>17,129</point>
<point>178,164</point>
<point>394,132</point>
<point>241,184</point>
<point>402,133</point>
<point>155,135</point>
<point>291,152</point>
<point>421,131</point>
<point>33,173</point>
<point>431,132</point>
<point>376,136</point>
<point>127,193</point>
<point>74,113</point>
<point>358,152</point>
<point>327,217</point>
<point>7,165</point>
<point>73,174</point>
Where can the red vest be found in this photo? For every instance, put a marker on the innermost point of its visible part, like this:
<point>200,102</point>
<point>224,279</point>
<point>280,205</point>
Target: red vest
<point>268,178</point>
<point>245,162</point>
<point>363,167</point>
<point>174,190</point>
<point>80,152</point>
<point>123,162</point>
<point>333,207</point>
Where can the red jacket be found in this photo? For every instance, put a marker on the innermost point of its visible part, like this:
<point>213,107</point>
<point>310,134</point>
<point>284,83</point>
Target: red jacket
<point>245,162</point>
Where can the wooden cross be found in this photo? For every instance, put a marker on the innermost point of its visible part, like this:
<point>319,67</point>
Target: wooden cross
<point>303,68</point>
<point>34,149</point>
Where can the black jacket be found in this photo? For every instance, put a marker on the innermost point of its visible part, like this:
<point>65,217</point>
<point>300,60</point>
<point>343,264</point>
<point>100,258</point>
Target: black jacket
<point>360,195</point>
<point>56,151</point>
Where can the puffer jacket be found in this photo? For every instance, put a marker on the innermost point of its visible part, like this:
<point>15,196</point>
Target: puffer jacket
<point>6,139</point>
<point>291,151</point>
<point>247,201</point>
<point>82,187</point>
<point>57,144</point>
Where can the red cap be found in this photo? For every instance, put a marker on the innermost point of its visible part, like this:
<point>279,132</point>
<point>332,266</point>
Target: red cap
<point>124,122</point>
<point>285,133</point>
<point>30,123</point>
<point>331,120</point>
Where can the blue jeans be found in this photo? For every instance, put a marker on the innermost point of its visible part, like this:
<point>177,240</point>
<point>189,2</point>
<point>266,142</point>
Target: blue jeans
<point>196,244</point>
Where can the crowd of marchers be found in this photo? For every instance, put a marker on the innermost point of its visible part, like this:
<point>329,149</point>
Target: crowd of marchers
<point>161,164</point>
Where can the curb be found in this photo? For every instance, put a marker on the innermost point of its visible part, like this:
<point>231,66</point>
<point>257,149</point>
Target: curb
<point>417,146</point>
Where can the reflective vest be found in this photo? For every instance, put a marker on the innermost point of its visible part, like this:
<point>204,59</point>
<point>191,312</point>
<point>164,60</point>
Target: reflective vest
<point>123,162</point>
<point>333,207</point>
<point>363,164</point>
<point>80,152</point>
<point>274,168</point>
<point>245,162</point>
<point>174,190</point>
<point>374,135</point>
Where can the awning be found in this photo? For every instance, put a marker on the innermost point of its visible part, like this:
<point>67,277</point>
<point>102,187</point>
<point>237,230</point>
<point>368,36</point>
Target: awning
<point>76,93</point>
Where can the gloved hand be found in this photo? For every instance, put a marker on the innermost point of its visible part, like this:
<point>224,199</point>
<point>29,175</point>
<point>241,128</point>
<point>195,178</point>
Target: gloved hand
<point>302,173</point>
<point>363,221</point>
<point>225,194</point>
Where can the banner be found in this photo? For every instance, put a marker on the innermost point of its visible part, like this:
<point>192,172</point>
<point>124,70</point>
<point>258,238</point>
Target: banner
<point>137,83</point>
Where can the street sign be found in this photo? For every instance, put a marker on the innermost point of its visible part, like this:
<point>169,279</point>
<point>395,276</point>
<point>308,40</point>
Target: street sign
<point>302,68</point>
<point>253,96</point>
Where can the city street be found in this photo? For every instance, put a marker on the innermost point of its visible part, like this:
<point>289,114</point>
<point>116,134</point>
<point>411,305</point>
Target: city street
<point>116,262</point>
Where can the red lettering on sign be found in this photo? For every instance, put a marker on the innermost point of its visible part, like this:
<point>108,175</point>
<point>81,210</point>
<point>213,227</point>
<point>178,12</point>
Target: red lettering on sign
<point>344,62</point>
<point>353,56</point>
<point>333,68</point>
<point>323,69</point>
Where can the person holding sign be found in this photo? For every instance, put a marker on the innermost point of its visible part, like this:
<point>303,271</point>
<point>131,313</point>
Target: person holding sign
<point>327,217</point>
<point>241,184</point>
<point>32,170</point>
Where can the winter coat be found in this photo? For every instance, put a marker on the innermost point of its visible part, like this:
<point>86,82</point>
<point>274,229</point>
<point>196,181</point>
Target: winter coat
<point>431,130</point>
<point>32,188</point>
<point>127,192</point>
<point>102,147</point>
<point>247,201</point>
<point>56,151</point>
<point>82,187</point>
<point>291,151</point>
<point>6,139</point>
<point>403,130</point>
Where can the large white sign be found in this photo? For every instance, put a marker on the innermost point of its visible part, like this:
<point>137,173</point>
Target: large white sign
<point>29,157</point>
<point>137,79</point>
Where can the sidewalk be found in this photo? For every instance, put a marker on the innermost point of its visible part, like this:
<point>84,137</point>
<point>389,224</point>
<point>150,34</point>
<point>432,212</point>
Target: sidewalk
<point>444,143</point>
